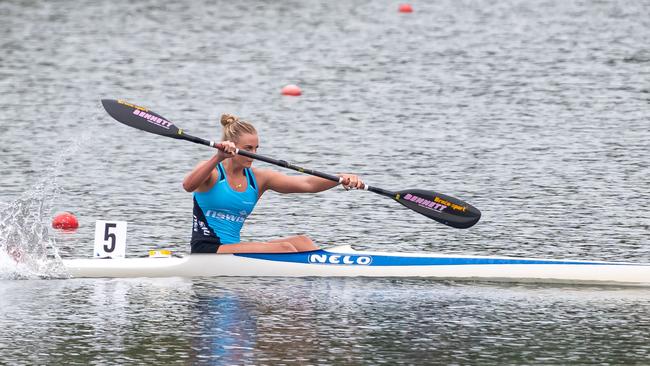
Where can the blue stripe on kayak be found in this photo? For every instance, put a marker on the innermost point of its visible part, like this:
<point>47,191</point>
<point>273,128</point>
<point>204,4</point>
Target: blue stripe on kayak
<point>332,258</point>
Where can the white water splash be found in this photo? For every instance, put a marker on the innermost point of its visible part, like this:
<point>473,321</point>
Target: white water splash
<point>27,250</point>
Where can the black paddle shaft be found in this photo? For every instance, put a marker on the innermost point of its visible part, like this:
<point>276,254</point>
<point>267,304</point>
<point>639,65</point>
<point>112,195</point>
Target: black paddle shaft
<point>445,209</point>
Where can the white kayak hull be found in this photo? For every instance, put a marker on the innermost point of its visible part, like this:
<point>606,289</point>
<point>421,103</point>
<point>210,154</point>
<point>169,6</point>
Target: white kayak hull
<point>344,261</point>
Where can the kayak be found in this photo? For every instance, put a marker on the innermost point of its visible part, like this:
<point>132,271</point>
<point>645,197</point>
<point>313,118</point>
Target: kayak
<point>344,261</point>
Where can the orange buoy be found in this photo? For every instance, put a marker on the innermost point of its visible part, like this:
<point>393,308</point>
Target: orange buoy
<point>405,8</point>
<point>292,90</point>
<point>65,220</point>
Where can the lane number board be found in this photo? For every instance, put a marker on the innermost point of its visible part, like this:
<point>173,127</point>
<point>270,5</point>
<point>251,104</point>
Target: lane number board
<point>110,239</point>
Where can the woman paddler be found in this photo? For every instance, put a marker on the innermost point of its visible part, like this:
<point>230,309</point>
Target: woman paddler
<point>226,189</point>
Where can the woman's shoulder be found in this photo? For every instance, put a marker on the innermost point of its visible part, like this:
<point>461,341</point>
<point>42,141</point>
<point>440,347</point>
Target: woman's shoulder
<point>260,173</point>
<point>264,176</point>
<point>264,172</point>
<point>214,176</point>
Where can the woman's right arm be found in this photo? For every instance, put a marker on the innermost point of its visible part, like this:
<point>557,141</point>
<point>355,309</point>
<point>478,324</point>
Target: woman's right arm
<point>200,176</point>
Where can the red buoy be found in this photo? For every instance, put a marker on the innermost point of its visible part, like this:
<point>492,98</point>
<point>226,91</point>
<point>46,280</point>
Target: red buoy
<point>65,220</point>
<point>405,8</point>
<point>292,90</point>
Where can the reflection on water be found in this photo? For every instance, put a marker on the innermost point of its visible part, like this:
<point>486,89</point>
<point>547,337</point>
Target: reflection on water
<point>226,328</point>
<point>319,321</point>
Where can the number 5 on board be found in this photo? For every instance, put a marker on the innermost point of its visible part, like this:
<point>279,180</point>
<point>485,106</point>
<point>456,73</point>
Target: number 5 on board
<point>110,239</point>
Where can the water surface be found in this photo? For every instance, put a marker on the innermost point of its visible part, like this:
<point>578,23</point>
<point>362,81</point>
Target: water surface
<point>534,112</point>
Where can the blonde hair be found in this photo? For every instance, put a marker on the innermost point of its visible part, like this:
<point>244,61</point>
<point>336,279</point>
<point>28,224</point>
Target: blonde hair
<point>233,127</point>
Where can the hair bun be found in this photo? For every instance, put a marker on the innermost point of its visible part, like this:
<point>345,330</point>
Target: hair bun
<point>228,119</point>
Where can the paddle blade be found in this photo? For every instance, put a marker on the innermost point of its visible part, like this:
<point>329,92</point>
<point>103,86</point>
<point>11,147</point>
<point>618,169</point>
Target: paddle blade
<point>440,207</point>
<point>140,118</point>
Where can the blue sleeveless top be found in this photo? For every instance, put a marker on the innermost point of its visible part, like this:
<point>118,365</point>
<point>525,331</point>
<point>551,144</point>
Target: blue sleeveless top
<point>221,212</point>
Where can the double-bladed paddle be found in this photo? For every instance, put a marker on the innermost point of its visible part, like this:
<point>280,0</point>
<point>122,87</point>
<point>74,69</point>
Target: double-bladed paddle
<point>440,207</point>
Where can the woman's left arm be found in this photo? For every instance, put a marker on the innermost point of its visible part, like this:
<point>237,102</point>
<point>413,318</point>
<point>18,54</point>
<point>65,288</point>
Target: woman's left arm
<point>283,183</point>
